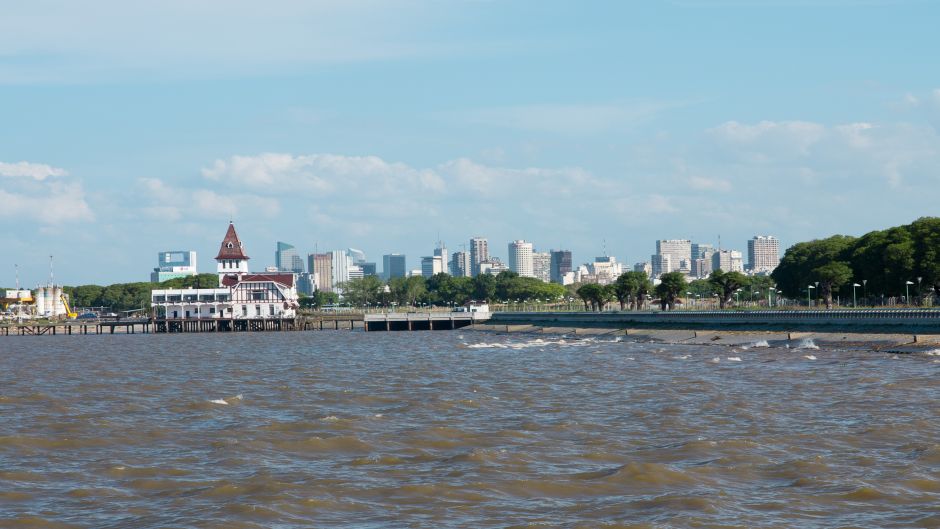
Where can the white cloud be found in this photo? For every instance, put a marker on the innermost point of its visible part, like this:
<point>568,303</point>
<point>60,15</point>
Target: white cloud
<point>60,40</point>
<point>709,184</point>
<point>36,171</point>
<point>48,205</point>
<point>174,203</point>
<point>568,119</point>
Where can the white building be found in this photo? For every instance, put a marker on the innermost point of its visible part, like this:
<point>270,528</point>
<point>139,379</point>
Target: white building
<point>432,265</point>
<point>479,252</point>
<point>542,266</point>
<point>763,254</point>
<point>340,262</point>
<point>728,261</point>
<point>460,264</point>
<point>605,269</point>
<point>172,264</point>
<point>240,294</point>
<point>520,258</point>
<point>678,250</point>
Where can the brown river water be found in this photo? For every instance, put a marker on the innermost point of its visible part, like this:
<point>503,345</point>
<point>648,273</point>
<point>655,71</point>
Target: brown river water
<point>461,429</point>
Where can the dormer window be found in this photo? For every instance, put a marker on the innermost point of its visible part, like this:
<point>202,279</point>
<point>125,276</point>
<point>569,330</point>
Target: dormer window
<point>230,245</point>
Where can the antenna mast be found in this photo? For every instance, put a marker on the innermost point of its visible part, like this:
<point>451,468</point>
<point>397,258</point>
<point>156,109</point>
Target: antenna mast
<point>51,273</point>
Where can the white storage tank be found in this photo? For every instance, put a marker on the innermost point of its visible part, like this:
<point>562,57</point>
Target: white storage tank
<point>58,307</point>
<point>40,298</point>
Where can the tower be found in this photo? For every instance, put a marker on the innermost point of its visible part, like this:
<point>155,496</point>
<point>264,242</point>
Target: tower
<point>231,259</point>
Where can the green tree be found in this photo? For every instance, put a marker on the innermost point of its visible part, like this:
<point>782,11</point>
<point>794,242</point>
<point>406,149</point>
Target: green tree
<point>594,295</point>
<point>362,291</point>
<point>631,287</point>
<point>484,287</point>
<point>726,284</point>
<point>926,240</point>
<point>797,267</point>
<point>832,275</point>
<point>670,287</point>
<point>407,291</point>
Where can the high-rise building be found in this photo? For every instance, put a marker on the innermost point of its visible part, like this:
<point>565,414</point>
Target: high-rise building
<point>321,268</point>
<point>173,264</point>
<point>286,259</point>
<point>432,265</point>
<point>520,258</point>
<point>542,266</point>
<point>677,249</point>
<point>728,261</point>
<point>763,254</point>
<point>605,269</point>
<point>460,264</point>
<point>368,269</point>
<point>479,252</point>
<point>702,251</point>
<point>492,266</point>
<point>341,263</point>
<point>393,265</point>
<point>561,265</point>
<point>661,264</point>
<point>646,268</point>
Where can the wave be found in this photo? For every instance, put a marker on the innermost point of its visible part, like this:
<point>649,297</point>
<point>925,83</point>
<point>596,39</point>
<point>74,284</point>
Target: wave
<point>733,359</point>
<point>806,343</point>
<point>538,342</point>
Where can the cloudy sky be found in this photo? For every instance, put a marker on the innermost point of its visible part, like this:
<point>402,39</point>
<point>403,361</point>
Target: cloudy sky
<point>127,128</point>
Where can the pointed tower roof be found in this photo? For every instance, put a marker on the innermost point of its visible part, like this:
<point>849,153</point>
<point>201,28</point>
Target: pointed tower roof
<point>231,247</point>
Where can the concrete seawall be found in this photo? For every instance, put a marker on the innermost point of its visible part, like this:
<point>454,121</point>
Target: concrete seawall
<point>890,331</point>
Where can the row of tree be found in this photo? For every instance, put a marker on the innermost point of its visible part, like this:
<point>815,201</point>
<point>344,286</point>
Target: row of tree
<point>446,290</point>
<point>129,296</point>
<point>886,262</point>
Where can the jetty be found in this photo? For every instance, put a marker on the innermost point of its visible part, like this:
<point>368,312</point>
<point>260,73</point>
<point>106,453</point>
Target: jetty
<point>423,321</point>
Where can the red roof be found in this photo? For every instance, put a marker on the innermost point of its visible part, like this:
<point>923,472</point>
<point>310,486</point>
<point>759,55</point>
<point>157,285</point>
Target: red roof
<point>231,246</point>
<point>284,279</point>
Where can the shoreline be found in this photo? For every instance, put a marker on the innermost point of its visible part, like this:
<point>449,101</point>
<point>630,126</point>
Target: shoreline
<point>887,343</point>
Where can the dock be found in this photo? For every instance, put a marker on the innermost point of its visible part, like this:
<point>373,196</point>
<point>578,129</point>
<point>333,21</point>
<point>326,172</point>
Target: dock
<point>184,325</point>
<point>423,321</point>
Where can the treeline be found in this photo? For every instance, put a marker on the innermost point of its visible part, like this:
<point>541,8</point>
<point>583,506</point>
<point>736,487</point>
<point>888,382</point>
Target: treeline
<point>130,296</point>
<point>444,290</point>
<point>899,261</point>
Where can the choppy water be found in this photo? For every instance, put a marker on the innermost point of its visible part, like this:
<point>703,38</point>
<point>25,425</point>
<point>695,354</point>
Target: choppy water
<point>451,429</point>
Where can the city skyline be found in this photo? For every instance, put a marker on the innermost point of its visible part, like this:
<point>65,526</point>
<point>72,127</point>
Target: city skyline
<point>568,124</point>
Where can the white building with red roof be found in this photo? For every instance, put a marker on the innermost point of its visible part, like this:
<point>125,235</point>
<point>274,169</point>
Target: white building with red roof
<point>240,295</point>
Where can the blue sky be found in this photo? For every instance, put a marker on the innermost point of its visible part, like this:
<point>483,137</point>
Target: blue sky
<point>126,130</point>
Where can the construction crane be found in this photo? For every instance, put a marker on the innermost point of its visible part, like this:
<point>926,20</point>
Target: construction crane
<point>68,310</point>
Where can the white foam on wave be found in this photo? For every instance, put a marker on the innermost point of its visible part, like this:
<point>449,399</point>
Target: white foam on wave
<point>716,360</point>
<point>733,359</point>
<point>810,357</point>
<point>932,352</point>
<point>330,418</point>
<point>760,343</point>
<point>806,343</point>
<point>683,357</point>
<point>538,342</point>
<point>219,401</point>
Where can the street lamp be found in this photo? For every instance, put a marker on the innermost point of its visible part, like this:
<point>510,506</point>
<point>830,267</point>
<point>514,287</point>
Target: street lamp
<point>907,294</point>
<point>865,289</point>
<point>688,299</point>
<point>854,304</point>
<point>919,297</point>
<point>809,301</point>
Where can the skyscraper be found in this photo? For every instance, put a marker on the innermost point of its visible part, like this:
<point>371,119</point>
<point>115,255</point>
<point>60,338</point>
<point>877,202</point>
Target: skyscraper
<point>393,265</point>
<point>341,263</point>
<point>479,252</point>
<point>561,265</point>
<point>286,259</point>
<point>763,254</point>
<point>460,264</point>
<point>520,258</point>
<point>542,266</point>
<point>321,266</point>
<point>728,261</point>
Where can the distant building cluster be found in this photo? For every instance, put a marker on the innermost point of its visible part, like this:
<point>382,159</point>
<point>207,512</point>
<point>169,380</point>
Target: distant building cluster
<point>328,271</point>
<point>697,260</point>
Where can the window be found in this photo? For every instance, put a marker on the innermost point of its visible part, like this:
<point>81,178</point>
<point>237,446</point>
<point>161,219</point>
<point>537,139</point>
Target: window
<point>257,295</point>
<point>257,310</point>
<point>244,310</point>
<point>211,310</point>
<point>272,309</point>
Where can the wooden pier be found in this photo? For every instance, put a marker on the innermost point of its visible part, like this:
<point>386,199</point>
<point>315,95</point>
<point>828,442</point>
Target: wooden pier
<point>183,325</point>
<point>423,321</point>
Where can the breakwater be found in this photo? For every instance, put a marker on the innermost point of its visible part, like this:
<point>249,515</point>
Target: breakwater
<point>868,321</point>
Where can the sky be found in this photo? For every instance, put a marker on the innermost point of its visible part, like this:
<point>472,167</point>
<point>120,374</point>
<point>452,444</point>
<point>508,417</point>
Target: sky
<point>129,128</point>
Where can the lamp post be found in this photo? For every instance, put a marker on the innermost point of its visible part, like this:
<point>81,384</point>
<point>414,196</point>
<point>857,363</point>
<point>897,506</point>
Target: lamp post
<point>919,297</point>
<point>865,289</point>
<point>817,292</point>
<point>809,301</point>
<point>854,286</point>
<point>907,294</point>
